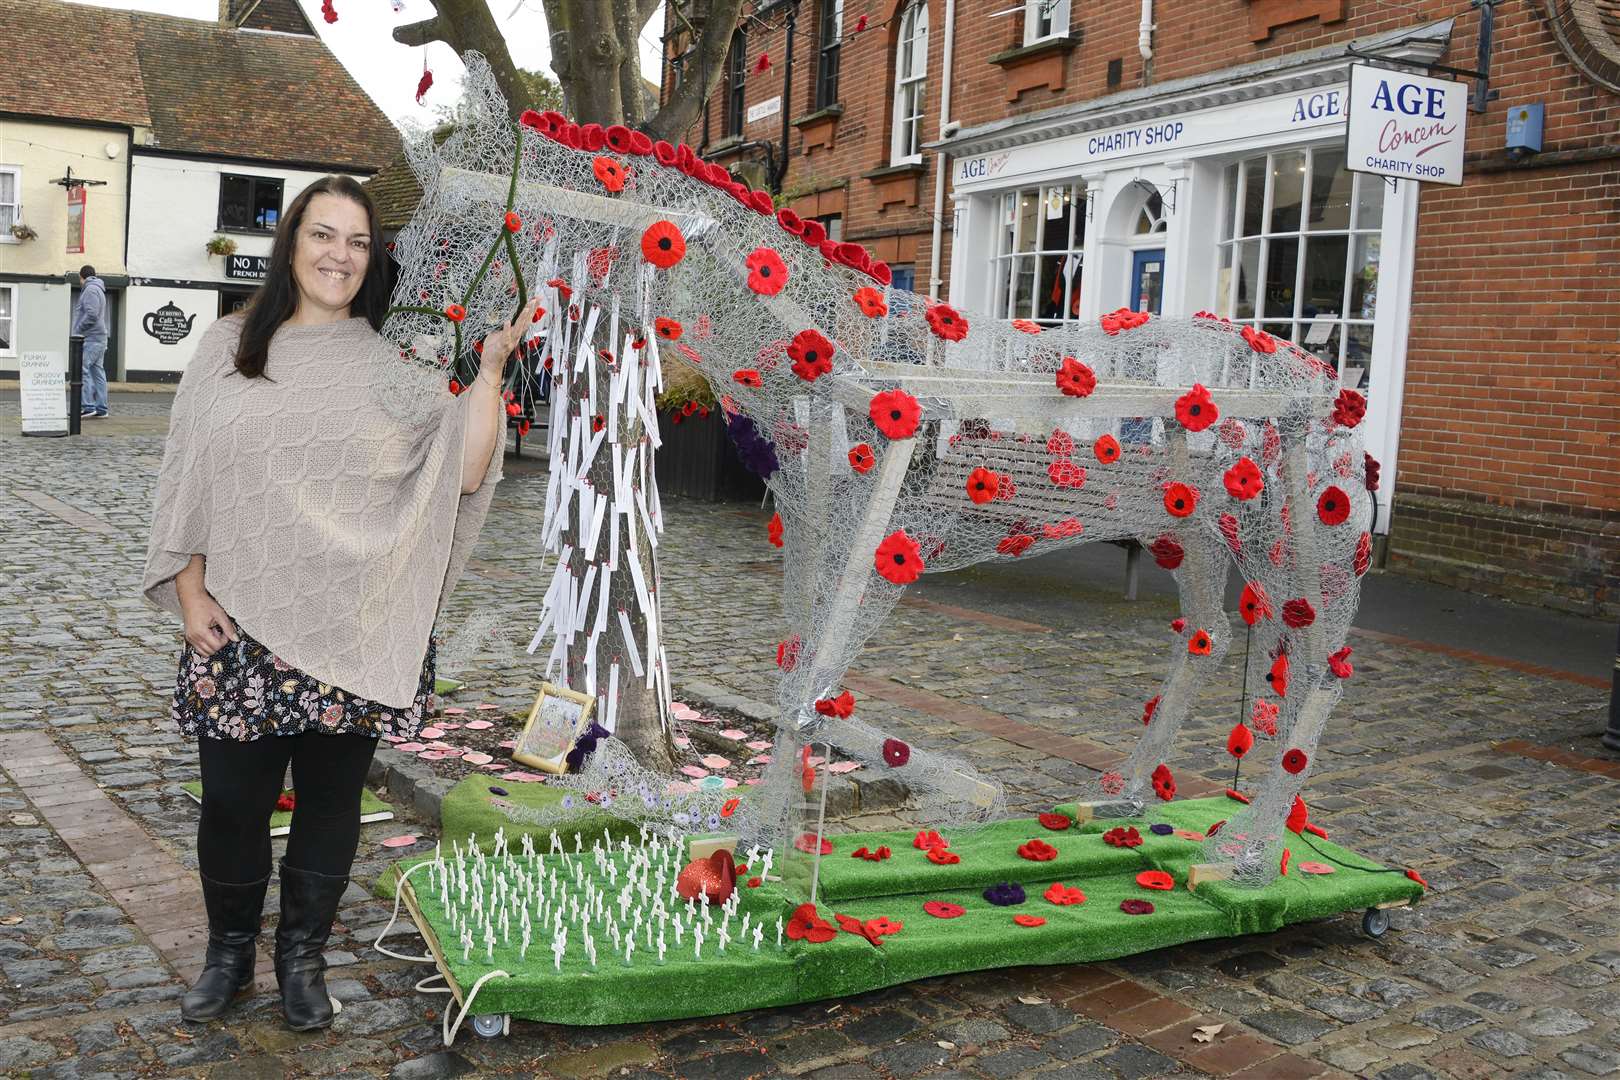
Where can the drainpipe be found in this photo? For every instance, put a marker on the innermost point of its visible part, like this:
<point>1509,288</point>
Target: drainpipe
<point>941,158</point>
<point>1144,41</point>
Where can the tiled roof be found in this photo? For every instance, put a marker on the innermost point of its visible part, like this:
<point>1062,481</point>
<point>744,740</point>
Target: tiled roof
<point>70,61</point>
<point>279,97</point>
<point>282,15</point>
<point>396,192</point>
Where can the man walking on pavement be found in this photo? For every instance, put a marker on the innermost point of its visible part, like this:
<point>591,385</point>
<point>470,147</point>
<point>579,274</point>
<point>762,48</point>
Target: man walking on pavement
<point>90,323</point>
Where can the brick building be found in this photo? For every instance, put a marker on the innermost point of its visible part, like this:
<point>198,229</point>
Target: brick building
<point>1056,159</point>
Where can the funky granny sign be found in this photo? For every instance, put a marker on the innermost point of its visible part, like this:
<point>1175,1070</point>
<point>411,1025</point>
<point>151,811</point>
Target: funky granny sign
<point>1407,126</point>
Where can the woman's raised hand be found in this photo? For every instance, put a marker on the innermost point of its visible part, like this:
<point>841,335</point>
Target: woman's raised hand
<point>498,345</point>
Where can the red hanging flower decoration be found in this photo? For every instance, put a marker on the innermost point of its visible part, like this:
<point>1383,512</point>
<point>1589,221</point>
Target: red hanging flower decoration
<point>1243,479</point>
<point>982,485</point>
<point>1333,507</point>
<point>1164,783</point>
<point>1076,379</point>
<point>861,458</point>
<point>898,558</point>
<point>1294,761</point>
<point>870,301</point>
<point>1254,605</point>
<point>1066,474</point>
<point>1195,410</point>
<point>774,530</point>
<point>663,245</point>
<point>1123,836</point>
<point>1339,663</point>
<point>1369,469</point>
<point>666,328</point>
<point>1054,821</point>
<point>944,909</point>
<point>1106,449</point>
<point>747,377</point>
<point>842,706</point>
<point>1259,340</point>
<point>1200,643</point>
<point>1156,879</point>
<point>1240,741</point>
<point>1180,499</point>
<point>1136,907</point>
<point>609,173</point>
<point>1037,851</point>
<point>1149,707</point>
<point>1298,613</point>
<point>895,753</point>
<point>767,273</point>
<point>895,413</point>
<point>811,354</point>
<point>946,322</point>
<point>1363,554</point>
<point>1166,552</point>
<point>1029,920</point>
<point>1278,675</point>
<point>941,857</point>
<point>1064,895</point>
<point>1349,408</point>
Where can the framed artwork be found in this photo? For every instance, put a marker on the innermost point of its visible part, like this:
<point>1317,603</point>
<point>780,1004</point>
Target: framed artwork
<point>555,723</point>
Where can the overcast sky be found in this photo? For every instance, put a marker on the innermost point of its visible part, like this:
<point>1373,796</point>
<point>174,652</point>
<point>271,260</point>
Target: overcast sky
<point>362,39</point>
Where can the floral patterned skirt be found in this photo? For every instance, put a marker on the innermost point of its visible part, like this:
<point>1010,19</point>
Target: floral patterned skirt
<point>244,691</point>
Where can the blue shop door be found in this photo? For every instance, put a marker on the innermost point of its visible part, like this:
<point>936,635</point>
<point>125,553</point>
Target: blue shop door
<point>1147,294</point>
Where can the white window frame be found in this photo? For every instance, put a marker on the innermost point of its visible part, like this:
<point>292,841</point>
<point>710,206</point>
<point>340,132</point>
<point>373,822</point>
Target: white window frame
<point>1054,24</point>
<point>910,75</point>
<point>11,292</point>
<point>17,216</point>
<point>1011,255</point>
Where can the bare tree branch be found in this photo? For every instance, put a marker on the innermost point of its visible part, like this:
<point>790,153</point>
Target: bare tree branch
<point>714,21</point>
<point>468,25</point>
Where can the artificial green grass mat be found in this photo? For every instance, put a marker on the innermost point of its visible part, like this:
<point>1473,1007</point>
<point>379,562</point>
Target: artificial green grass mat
<point>370,805</point>
<point>984,937</point>
<point>442,687</point>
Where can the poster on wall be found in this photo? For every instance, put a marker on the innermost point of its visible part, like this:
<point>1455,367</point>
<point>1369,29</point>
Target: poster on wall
<point>1408,127</point>
<point>75,219</point>
<point>42,384</point>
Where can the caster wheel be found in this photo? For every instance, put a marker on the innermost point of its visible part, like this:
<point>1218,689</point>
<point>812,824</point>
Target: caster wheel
<point>1375,922</point>
<point>490,1025</point>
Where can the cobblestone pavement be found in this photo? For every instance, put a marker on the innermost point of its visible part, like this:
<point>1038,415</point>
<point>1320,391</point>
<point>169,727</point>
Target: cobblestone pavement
<point>1488,779</point>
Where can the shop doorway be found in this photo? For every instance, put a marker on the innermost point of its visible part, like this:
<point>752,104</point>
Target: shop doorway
<point>1147,281</point>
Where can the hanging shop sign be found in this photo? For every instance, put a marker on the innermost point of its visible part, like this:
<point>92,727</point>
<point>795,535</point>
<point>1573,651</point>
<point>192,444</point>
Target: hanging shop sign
<point>251,267</point>
<point>1408,127</point>
<point>168,323</point>
<point>75,219</point>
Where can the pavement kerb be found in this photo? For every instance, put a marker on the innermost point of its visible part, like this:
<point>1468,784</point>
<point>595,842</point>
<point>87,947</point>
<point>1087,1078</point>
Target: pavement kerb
<point>412,783</point>
<point>115,387</point>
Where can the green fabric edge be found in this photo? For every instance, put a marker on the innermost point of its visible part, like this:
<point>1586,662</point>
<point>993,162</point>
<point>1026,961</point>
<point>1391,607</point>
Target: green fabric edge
<point>281,819</point>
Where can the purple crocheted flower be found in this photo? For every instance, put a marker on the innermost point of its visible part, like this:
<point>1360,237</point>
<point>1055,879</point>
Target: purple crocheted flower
<point>498,791</point>
<point>1005,894</point>
<point>1136,907</point>
<point>1161,829</point>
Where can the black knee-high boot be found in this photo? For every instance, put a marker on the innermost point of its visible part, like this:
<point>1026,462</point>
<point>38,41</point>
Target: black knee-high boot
<point>309,903</point>
<point>233,928</point>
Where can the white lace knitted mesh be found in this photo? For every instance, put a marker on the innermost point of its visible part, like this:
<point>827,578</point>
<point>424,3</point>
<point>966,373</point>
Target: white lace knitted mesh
<point>1000,460</point>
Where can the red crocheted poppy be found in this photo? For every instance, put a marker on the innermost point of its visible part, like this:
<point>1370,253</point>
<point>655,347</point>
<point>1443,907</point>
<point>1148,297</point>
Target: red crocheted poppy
<point>1254,604</point>
<point>1156,879</point>
<point>1027,326</point>
<point>849,924</point>
<point>1064,895</point>
<point>1295,760</point>
<point>1123,319</point>
<point>1066,474</point>
<point>747,377</point>
<point>895,413</point>
<point>730,807</point>
<point>767,273</point>
<point>895,753</point>
<point>455,312</point>
<point>592,137</point>
<point>807,843</point>
<point>1122,836</point>
<point>946,322</point>
<point>898,558</point>
<point>1075,379</point>
<point>1054,821</point>
<point>287,800</point>
<point>790,221</point>
<point>861,458</point>
<point>1240,741</point>
<point>1136,907</point>
<point>1298,613</point>
<point>1333,507</point>
<point>1060,443</point>
<point>1166,552</point>
<point>513,221</point>
<point>942,857</point>
<point>982,485</point>
<point>1200,643</point>
<point>662,244</point>
<point>1339,663</point>
<point>1233,433</point>
<point>882,926</point>
<point>1164,783</point>
<point>1063,529</point>
<point>1149,707</point>
<point>609,173</point>
<point>811,354</point>
<point>842,706</point>
<point>927,839</point>
<point>787,653</point>
<point>814,233</point>
<point>1243,480</point>
<point>1180,499</point>
<point>1037,851</point>
<point>667,328</point>
<point>1363,554</point>
<point>806,925</point>
<point>1259,340</point>
<point>944,909</point>
<point>1278,675</point>
<point>1015,544</point>
<point>1106,448</point>
<point>871,302</point>
<point>1195,410</point>
<point>773,530</point>
<point>1349,408</point>
<point>1029,920</point>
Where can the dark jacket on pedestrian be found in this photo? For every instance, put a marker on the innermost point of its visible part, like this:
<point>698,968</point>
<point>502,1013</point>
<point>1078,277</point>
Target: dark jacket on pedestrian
<point>90,316</point>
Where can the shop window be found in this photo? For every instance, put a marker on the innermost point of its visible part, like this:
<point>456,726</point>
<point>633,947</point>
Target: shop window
<point>834,224</point>
<point>1045,19</point>
<point>1041,243</point>
<point>832,33</point>
<point>1151,218</point>
<point>736,76</point>
<point>1299,253</point>
<point>10,201</point>
<point>249,202</point>
<point>910,68</point>
<point>8,320</point>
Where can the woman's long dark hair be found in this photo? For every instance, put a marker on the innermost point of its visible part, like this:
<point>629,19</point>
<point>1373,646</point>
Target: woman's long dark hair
<point>277,298</point>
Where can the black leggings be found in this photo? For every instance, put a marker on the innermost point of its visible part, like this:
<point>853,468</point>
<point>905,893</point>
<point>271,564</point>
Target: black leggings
<point>241,782</point>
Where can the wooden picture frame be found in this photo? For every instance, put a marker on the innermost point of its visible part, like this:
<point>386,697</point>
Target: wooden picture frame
<point>555,724</point>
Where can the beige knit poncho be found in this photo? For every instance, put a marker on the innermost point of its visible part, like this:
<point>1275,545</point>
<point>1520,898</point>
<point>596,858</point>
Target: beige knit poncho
<point>332,532</point>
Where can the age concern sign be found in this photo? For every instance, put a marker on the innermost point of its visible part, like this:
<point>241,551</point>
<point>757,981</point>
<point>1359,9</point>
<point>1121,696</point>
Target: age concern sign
<point>1406,126</point>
